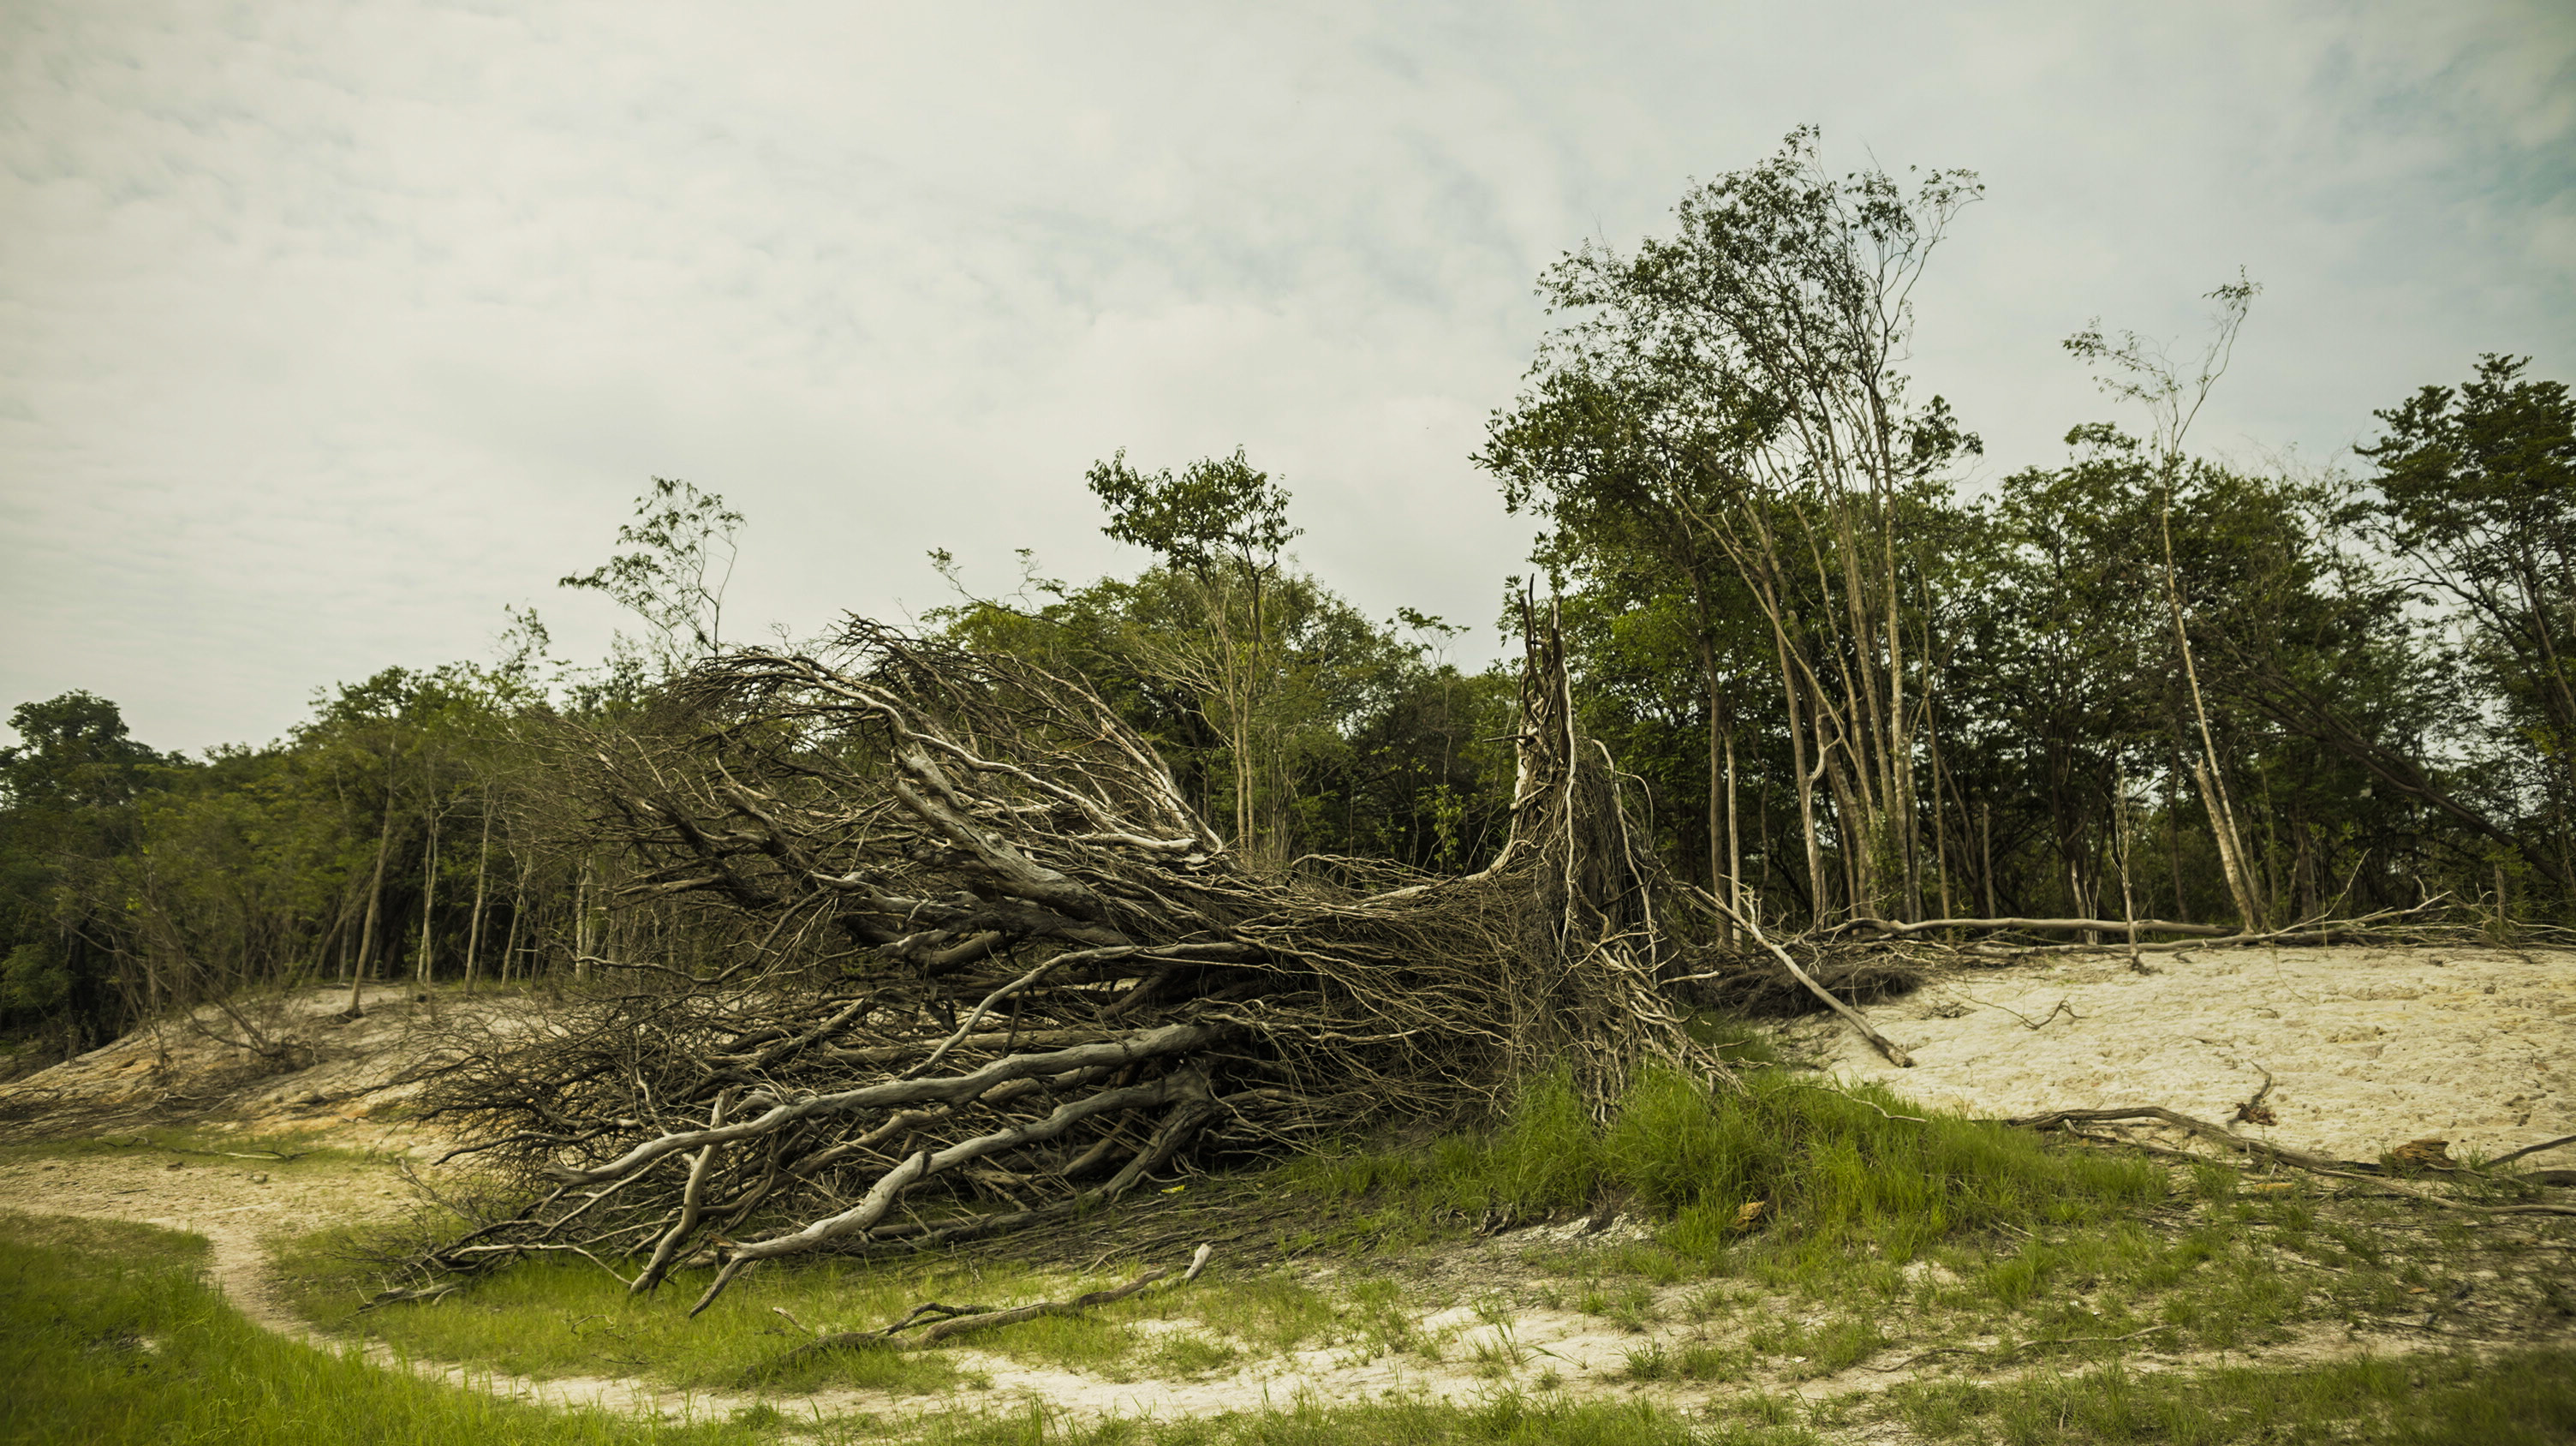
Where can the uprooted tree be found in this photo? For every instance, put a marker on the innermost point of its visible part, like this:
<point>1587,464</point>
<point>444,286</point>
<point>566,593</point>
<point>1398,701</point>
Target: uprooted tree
<point>988,970</point>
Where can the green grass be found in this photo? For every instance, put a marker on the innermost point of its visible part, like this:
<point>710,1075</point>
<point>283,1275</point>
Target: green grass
<point>1835,1176</point>
<point>202,1146</point>
<point>1911,1233</point>
<point>1507,1418</point>
<point>109,1334</point>
<point>558,1317</point>
<point>2523,1399</point>
<point>1933,1230</point>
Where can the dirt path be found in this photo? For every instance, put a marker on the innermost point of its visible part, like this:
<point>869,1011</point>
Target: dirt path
<point>238,1206</point>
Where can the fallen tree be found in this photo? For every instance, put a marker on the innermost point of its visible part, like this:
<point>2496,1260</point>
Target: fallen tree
<point>940,953</point>
<point>991,971</point>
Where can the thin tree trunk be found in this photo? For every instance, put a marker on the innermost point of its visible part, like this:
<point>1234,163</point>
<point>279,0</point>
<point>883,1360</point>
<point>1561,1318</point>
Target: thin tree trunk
<point>1721,784</point>
<point>2128,899</point>
<point>482,867</point>
<point>1940,808</point>
<point>2173,843</point>
<point>1735,847</point>
<point>428,902</point>
<point>1806,784</point>
<point>375,905</point>
<point>581,944</point>
<point>518,911</point>
<point>2206,769</point>
<point>1986,837</point>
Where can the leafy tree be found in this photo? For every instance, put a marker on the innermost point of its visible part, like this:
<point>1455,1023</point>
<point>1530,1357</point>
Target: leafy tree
<point>68,793</point>
<point>1219,527</point>
<point>75,752</point>
<point>2476,498</point>
<point>675,577</point>
<point>2138,370</point>
<point>1731,392</point>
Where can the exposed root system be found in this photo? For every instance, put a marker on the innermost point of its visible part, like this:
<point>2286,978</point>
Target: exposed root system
<point>988,970</point>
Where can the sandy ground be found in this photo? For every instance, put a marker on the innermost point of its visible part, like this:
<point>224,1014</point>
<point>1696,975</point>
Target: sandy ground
<point>326,1074</point>
<point>2368,1048</point>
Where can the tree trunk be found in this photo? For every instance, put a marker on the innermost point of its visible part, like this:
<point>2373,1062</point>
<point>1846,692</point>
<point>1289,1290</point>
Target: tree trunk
<point>375,909</point>
<point>428,901</point>
<point>482,867</point>
<point>1743,907</point>
<point>2206,768</point>
<point>1986,842</point>
<point>518,911</point>
<point>1721,787</point>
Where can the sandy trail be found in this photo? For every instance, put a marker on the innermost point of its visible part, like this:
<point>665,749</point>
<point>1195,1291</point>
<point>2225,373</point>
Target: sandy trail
<point>2368,1048</point>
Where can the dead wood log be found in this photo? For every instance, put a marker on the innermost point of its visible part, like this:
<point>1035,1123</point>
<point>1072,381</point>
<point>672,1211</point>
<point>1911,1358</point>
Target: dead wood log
<point>2048,926</point>
<point>1894,1052</point>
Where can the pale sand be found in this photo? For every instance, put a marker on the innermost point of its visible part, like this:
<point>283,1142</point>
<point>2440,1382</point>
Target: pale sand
<point>2369,1048</point>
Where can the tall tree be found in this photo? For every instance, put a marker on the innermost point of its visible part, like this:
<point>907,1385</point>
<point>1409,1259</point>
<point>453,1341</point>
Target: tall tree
<point>674,575</point>
<point>2135,368</point>
<point>1741,375</point>
<point>2476,496</point>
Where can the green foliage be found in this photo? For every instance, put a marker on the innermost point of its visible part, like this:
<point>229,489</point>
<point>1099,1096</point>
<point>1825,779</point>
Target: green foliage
<point>1220,511</point>
<point>33,979</point>
<point>1362,742</point>
<point>74,753</point>
<point>674,579</point>
<point>2476,497</point>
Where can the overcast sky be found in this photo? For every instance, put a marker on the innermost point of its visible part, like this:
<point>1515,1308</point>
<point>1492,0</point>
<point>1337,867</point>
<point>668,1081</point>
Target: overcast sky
<point>328,330</point>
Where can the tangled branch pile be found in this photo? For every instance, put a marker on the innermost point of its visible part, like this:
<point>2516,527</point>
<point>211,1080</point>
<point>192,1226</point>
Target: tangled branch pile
<point>993,970</point>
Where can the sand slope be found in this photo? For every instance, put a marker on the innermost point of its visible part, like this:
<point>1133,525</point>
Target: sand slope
<point>2370,1047</point>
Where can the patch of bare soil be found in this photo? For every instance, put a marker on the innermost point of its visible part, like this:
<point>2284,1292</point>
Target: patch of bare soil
<point>2368,1048</point>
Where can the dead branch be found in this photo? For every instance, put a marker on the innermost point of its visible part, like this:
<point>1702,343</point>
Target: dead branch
<point>1895,1053</point>
<point>950,1320</point>
<point>2035,926</point>
<point>2514,1155</point>
<point>2283,1154</point>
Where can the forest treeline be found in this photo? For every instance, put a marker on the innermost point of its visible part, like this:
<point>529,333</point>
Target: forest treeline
<point>1852,688</point>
